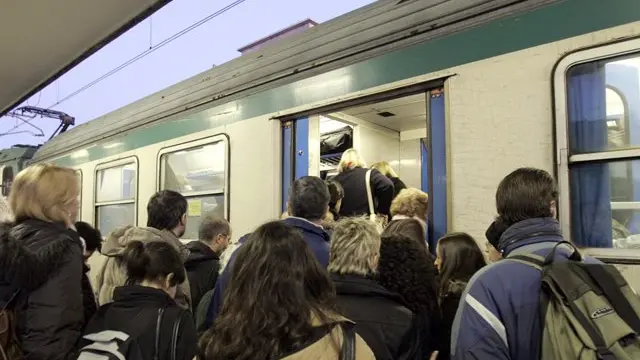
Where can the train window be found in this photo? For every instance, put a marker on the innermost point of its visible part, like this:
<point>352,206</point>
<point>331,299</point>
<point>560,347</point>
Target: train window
<point>7,179</point>
<point>599,156</point>
<point>115,196</point>
<point>198,173</point>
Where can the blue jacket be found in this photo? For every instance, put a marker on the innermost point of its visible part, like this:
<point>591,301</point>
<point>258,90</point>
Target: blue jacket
<point>316,237</point>
<point>499,316</point>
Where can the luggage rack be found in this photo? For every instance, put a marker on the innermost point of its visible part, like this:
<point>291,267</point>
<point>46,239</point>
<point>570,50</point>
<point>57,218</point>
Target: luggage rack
<point>330,160</point>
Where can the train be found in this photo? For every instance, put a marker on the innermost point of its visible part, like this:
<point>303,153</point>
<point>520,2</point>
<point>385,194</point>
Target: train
<point>453,94</point>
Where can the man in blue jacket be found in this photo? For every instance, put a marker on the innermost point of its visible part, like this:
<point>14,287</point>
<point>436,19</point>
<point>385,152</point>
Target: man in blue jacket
<point>499,316</point>
<point>308,203</point>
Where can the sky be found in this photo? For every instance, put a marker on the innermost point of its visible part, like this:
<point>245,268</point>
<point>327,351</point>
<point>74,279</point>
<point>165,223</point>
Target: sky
<point>212,43</point>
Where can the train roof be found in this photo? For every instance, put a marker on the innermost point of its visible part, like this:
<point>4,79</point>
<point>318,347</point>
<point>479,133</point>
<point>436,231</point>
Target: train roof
<point>44,39</point>
<point>370,31</point>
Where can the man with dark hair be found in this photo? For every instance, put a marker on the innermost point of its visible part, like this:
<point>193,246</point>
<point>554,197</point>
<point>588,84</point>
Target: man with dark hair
<point>499,314</point>
<point>166,222</point>
<point>203,263</point>
<point>307,205</point>
<point>167,210</point>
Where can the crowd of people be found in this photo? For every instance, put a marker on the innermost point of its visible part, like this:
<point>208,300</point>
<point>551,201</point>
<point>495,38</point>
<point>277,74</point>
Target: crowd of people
<point>327,281</point>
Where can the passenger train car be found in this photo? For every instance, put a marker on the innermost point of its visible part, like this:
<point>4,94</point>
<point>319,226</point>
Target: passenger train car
<point>455,94</point>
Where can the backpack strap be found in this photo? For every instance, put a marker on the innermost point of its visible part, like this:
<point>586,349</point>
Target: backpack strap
<point>348,351</point>
<point>611,290</point>
<point>156,351</point>
<point>174,337</point>
<point>532,260</point>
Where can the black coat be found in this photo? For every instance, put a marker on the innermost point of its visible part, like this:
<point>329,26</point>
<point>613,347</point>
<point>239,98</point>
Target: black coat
<point>202,266</point>
<point>355,201</point>
<point>381,317</point>
<point>398,185</point>
<point>51,315</point>
<point>138,306</point>
<point>88,297</point>
<point>449,306</point>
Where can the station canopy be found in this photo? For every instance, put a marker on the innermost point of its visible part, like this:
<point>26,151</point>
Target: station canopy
<point>41,40</point>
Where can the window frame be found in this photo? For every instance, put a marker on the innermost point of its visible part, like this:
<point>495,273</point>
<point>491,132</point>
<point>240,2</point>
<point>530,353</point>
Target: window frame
<point>192,144</point>
<point>110,165</point>
<point>561,123</point>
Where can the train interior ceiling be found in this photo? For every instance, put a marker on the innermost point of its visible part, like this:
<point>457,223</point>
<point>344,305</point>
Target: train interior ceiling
<point>390,130</point>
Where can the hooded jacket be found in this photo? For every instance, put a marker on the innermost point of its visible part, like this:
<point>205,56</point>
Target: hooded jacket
<point>202,265</point>
<point>314,236</point>
<point>381,317</point>
<point>113,274</point>
<point>43,261</point>
<point>142,304</point>
<point>499,315</point>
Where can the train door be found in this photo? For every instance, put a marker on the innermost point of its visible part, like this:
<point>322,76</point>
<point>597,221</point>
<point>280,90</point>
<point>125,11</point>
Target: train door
<point>408,132</point>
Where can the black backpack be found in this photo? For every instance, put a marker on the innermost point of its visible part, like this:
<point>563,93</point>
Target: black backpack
<point>121,345</point>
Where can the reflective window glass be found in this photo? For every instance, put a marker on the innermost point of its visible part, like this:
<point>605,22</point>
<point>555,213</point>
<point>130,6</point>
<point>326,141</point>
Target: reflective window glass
<point>116,183</point>
<point>195,170</point>
<point>111,217</point>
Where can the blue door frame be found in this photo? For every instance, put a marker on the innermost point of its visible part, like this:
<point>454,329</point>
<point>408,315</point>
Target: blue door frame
<point>295,154</point>
<point>434,167</point>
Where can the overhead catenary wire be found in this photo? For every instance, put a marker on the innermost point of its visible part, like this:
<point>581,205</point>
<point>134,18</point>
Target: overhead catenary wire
<point>150,50</point>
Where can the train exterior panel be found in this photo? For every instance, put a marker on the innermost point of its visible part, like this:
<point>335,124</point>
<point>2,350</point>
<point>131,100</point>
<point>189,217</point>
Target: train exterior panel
<point>498,81</point>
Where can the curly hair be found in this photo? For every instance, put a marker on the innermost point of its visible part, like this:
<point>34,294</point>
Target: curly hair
<point>406,269</point>
<point>411,202</point>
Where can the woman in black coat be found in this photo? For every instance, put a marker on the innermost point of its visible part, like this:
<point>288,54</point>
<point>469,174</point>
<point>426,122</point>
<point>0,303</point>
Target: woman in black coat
<point>386,170</point>
<point>43,200</point>
<point>351,175</point>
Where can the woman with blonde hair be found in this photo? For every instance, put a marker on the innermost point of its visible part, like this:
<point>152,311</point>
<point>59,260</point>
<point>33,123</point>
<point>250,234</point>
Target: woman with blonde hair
<point>410,203</point>
<point>44,201</point>
<point>386,170</point>
<point>357,181</point>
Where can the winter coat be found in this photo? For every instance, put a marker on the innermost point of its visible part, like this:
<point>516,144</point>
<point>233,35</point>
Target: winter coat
<point>398,185</point>
<point>202,266</point>
<point>50,310</point>
<point>113,274</point>
<point>449,305</point>
<point>137,306</point>
<point>499,312</point>
<point>88,297</point>
<point>315,236</point>
<point>355,201</point>
<point>381,317</point>
<point>323,347</point>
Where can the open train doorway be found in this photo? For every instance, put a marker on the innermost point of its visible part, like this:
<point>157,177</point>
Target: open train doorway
<point>408,132</point>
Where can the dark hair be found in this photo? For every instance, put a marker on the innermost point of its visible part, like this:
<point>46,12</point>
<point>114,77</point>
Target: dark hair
<point>152,261</point>
<point>278,284</point>
<point>165,209</point>
<point>494,232</point>
<point>308,198</point>
<point>212,226</point>
<point>92,236</point>
<point>524,194</point>
<point>405,268</point>
<point>461,258</point>
<point>336,192</point>
<point>410,228</point>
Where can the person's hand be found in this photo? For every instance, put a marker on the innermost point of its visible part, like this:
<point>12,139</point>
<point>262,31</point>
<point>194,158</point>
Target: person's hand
<point>434,355</point>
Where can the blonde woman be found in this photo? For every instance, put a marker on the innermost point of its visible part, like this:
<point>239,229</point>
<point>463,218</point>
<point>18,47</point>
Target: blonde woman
<point>386,170</point>
<point>352,174</point>
<point>43,199</point>
<point>410,203</point>
<point>382,317</point>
